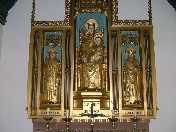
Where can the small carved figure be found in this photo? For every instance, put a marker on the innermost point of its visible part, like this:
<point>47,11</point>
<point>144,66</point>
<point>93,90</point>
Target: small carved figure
<point>97,54</point>
<point>132,90</point>
<point>52,77</point>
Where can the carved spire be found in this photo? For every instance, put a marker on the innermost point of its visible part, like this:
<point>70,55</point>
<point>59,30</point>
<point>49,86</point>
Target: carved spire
<point>33,12</point>
<point>150,11</point>
<point>115,11</point>
<point>67,12</point>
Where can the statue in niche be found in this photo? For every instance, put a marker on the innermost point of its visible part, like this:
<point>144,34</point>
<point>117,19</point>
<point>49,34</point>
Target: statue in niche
<point>91,58</point>
<point>132,89</point>
<point>52,77</point>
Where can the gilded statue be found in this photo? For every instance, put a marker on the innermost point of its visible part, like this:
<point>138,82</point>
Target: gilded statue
<point>51,78</point>
<point>91,58</point>
<point>132,89</point>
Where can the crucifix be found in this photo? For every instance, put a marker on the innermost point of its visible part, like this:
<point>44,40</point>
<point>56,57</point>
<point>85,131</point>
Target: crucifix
<point>91,115</point>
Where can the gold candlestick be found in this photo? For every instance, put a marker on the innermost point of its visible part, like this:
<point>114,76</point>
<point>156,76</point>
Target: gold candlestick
<point>135,120</point>
<point>67,120</point>
<point>113,120</point>
<point>47,119</point>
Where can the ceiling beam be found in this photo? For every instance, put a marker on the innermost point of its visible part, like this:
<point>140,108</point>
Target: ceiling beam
<point>5,6</point>
<point>173,3</point>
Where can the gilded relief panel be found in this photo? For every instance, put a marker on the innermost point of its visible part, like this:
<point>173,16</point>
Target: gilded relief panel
<point>131,69</point>
<point>131,72</point>
<point>45,82</point>
<point>51,69</point>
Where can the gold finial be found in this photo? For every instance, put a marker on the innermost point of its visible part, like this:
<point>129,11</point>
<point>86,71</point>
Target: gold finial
<point>33,12</point>
<point>117,15</point>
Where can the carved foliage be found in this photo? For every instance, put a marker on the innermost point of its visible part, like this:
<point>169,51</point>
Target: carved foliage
<point>91,6</point>
<point>130,38</point>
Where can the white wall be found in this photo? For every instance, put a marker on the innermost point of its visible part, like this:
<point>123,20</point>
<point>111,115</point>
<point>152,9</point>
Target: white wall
<point>14,65</point>
<point>165,49</point>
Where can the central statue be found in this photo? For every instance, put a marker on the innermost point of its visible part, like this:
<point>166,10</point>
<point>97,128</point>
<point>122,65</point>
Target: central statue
<point>91,58</point>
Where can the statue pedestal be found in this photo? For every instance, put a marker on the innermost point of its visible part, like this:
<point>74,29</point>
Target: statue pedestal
<point>87,101</point>
<point>81,98</point>
<point>91,93</point>
<point>39,125</point>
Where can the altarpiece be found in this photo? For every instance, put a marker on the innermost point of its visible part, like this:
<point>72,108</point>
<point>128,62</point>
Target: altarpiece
<point>91,65</point>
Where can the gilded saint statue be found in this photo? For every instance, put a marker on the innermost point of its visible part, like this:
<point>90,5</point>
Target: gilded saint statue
<point>132,88</point>
<point>91,58</point>
<point>51,78</point>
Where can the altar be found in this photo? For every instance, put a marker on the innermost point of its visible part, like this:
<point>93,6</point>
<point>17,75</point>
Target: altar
<point>92,71</point>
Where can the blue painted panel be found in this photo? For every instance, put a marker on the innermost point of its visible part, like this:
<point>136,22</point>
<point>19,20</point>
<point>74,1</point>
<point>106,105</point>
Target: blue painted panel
<point>59,48</point>
<point>84,17</point>
<point>135,46</point>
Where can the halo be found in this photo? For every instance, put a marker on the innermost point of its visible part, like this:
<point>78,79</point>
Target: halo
<point>52,50</point>
<point>130,49</point>
<point>91,21</point>
<point>99,35</point>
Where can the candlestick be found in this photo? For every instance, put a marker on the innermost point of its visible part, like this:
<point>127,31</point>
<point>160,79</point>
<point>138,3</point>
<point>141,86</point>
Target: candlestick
<point>135,113</point>
<point>67,113</point>
<point>135,121</point>
<point>113,120</point>
<point>47,119</point>
<point>113,113</point>
<point>48,111</point>
<point>67,120</point>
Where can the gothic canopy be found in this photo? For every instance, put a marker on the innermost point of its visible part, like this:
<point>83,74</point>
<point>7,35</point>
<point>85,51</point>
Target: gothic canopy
<point>6,5</point>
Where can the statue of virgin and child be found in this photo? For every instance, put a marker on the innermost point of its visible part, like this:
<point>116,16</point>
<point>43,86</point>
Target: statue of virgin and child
<point>92,58</point>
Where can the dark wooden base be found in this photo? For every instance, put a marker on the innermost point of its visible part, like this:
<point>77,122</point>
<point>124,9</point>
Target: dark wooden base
<point>39,125</point>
